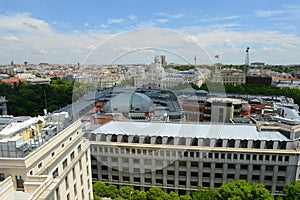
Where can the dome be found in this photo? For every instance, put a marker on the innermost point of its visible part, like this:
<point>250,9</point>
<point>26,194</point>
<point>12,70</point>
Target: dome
<point>129,102</point>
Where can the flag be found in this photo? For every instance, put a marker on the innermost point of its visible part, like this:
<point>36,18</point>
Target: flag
<point>217,56</point>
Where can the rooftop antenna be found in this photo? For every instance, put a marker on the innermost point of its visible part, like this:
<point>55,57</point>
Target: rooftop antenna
<point>45,110</point>
<point>247,60</point>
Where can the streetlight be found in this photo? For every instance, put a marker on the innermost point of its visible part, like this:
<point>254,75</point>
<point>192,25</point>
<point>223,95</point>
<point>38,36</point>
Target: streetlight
<point>130,195</point>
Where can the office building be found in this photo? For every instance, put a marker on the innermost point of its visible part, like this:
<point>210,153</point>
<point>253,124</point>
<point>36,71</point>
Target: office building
<point>182,156</point>
<point>44,158</point>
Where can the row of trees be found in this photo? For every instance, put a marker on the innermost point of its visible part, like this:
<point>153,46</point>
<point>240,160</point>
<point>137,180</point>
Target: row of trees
<point>234,190</point>
<point>251,89</point>
<point>30,100</point>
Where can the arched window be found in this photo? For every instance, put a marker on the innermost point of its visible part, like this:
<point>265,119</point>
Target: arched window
<point>182,141</point>
<point>170,141</point>
<point>125,138</point>
<point>147,140</point>
<point>194,142</point>
<point>136,139</point>
<point>158,140</point>
<point>219,143</point>
<point>114,138</point>
<point>231,143</point>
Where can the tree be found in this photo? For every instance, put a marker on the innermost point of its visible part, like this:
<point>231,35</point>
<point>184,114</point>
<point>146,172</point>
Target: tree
<point>172,196</point>
<point>112,191</point>
<point>155,194</point>
<point>185,197</point>
<point>99,189</point>
<point>126,192</point>
<point>292,191</point>
<point>139,195</point>
<point>243,191</point>
<point>203,194</point>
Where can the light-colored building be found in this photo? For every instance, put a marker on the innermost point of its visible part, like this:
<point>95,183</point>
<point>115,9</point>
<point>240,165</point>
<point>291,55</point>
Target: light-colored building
<point>49,164</point>
<point>229,76</point>
<point>182,156</point>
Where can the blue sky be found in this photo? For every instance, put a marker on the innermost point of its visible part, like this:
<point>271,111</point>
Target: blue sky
<point>67,31</point>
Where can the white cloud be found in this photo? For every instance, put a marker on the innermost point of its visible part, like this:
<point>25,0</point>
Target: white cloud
<point>172,16</point>
<point>36,41</point>
<point>114,21</point>
<point>225,18</point>
<point>86,24</point>
<point>25,23</point>
<point>162,20</point>
<point>103,26</point>
<point>11,38</point>
<point>132,17</point>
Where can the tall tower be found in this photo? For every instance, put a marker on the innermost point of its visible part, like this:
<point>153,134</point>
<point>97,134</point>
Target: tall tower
<point>195,59</point>
<point>247,60</point>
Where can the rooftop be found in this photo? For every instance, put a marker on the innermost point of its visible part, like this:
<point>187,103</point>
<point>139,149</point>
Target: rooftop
<point>211,131</point>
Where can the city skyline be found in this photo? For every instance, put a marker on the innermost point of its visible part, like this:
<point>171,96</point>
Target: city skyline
<point>67,32</point>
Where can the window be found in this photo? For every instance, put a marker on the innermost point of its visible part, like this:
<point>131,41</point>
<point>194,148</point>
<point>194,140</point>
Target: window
<point>244,143</point>
<point>194,174</point>
<point>55,173</point>
<point>115,178</point>
<point>82,193</point>
<point>147,180</point>
<point>268,178</point>
<point>286,158</point>
<point>182,183</point>
<point>231,166</point>
<point>80,165</point>
<point>230,176</point>
<point>205,174</point>
<point>65,163</point>
<point>281,168</point>
<point>219,165</point>
<point>218,175</point>
<point>159,181</point>
<point>243,176</point>
<point>125,178</point>
<point>182,173</point>
<point>62,145</point>
<point>269,167</point>
<point>20,183</point>
<point>244,166</point>
<point>280,178</point>
<point>53,154</point>
<point>170,182</point>
<point>81,179</point>
<point>255,177</point>
<point>79,148</point>
<point>194,164</point>
<point>57,193</point>
<point>40,165</point>
<point>75,190</point>
<point>67,182</point>
<point>206,165</point>
<point>72,156</point>
<point>137,179</point>
<point>170,172</point>
<point>256,144</point>
<point>74,173</point>
<point>194,183</point>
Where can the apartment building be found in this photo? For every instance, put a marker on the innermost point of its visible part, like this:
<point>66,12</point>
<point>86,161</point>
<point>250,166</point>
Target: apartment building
<point>40,161</point>
<point>182,156</point>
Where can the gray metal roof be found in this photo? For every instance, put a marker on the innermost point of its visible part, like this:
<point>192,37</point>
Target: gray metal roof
<point>222,131</point>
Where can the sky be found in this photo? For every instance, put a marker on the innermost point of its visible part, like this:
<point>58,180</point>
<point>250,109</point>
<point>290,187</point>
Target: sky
<point>130,31</point>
